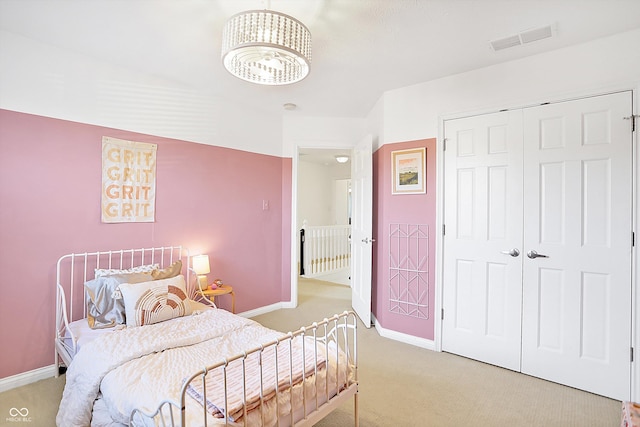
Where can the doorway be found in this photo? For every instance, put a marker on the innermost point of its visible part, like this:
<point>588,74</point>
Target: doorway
<point>360,237</point>
<point>323,207</point>
<point>538,241</point>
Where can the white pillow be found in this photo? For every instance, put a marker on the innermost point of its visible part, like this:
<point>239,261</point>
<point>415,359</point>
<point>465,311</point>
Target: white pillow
<point>155,301</point>
<point>100,272</point>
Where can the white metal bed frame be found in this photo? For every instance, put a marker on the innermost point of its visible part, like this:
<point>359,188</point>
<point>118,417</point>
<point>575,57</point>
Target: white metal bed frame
<point>76,268</point>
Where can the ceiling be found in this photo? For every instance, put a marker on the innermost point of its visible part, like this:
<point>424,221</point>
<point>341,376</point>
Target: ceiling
<point>327,158</point>
<point>361,48</point>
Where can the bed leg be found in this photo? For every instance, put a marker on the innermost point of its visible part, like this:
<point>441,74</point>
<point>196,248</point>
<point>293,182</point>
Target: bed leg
<point>356,421</point>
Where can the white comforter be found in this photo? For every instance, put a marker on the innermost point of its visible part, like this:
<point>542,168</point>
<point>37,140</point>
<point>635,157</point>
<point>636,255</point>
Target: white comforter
<point>141,367</point>
<point>153,361</point>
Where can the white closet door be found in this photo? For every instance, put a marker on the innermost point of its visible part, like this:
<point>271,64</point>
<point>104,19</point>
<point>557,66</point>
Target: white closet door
<point>577,202</point>
<point>482,289</point>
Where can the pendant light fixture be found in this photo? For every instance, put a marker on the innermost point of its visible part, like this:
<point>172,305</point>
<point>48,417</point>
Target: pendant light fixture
<point>266,47</point>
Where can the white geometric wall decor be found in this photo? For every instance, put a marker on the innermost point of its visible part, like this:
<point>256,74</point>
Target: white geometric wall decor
<point>409,270</point>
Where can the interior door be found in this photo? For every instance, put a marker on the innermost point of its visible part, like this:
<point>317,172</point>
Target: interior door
<point>578,219</point>
<point>482,274</point>
<point>361,228</point>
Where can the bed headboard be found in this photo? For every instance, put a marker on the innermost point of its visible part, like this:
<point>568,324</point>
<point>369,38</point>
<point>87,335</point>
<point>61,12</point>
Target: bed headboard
<point>73,270</point>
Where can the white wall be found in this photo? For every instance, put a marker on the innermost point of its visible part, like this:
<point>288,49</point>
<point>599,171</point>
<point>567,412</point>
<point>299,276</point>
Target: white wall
<point>319,132</point>
<point>315,194</point>
<point>415,112</point>
<point>342,201</point>
<point>41,79</point>
<point>603,65</point>
<point>375,123</point>
<point>319,201</point>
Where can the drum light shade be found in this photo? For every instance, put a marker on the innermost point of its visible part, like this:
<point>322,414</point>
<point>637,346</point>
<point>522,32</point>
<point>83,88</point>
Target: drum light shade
<point>201,264</point>
<point>266,47</point>
<point>201,267</point>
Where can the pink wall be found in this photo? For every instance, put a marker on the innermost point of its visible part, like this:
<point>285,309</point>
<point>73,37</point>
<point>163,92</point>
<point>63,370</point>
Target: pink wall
<point>402,209</point>
<point>208,199</point>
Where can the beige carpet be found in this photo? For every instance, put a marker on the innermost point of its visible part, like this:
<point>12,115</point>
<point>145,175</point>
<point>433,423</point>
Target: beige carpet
<point>400,385</point>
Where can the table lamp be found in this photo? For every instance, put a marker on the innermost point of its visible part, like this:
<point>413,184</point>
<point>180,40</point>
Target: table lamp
<point>201,267</point>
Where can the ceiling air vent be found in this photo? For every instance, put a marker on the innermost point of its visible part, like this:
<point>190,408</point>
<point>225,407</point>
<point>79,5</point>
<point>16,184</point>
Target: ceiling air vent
<point>524,37</point>
<point>505,43</point>
<point>536,34</point>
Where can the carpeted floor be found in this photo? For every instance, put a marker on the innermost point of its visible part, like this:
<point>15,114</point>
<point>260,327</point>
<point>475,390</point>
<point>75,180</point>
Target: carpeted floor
<point>403,385</point>
<point>400,385</point>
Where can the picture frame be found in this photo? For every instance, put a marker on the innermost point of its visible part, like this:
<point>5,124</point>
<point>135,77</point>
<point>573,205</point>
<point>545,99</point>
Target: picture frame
<point>408,171</point>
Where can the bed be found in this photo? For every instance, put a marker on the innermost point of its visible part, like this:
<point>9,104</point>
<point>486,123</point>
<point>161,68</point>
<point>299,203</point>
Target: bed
<point>141,347</point>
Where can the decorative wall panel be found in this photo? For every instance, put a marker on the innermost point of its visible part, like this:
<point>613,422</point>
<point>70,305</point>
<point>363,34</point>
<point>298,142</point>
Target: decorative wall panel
<point>408,270</point>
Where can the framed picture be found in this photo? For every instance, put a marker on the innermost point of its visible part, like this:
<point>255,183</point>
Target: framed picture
<point>408,171</point>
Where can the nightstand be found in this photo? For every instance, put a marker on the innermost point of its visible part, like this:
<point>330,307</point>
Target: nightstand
<point>220,290</point>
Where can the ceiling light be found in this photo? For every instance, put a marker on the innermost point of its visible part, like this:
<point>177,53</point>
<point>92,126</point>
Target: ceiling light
<point>342,158</point>
<point>266,47</point>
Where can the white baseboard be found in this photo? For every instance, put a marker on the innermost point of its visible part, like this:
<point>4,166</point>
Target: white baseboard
<point>405,338</point>
<point>263,310</point>
<point>25,378</point>
<point>288,304</point>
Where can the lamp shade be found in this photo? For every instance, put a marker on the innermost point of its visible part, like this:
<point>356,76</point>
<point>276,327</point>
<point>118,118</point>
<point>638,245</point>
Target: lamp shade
<point>201,264</point>
<point>266,47</point>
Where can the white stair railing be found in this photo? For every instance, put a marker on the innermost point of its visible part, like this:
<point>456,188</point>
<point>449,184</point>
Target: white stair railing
<point>327,249</point>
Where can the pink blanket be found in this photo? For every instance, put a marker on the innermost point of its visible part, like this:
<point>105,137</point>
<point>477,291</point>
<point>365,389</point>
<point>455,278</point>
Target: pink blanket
<point>294,362</point>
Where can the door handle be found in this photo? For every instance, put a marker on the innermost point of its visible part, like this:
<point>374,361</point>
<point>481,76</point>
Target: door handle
<point>513,252</point>
<point>368,240</point>
<point>533,254</point>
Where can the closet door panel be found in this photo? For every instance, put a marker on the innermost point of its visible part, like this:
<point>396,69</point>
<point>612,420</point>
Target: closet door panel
<point>483,220</point>
<point>578,214</point>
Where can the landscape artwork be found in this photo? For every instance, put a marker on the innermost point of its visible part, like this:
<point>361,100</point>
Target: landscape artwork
<point>408,171</point>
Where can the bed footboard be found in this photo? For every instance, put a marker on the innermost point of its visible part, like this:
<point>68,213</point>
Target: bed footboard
<point>295,380</point>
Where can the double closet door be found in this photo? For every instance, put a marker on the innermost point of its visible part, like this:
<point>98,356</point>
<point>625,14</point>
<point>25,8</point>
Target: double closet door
<point>538,241</point>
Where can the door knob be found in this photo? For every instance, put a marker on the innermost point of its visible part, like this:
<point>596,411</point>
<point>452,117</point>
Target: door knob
<point>367,240</point>
<point>533,254</point>
<point>513,252</point>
